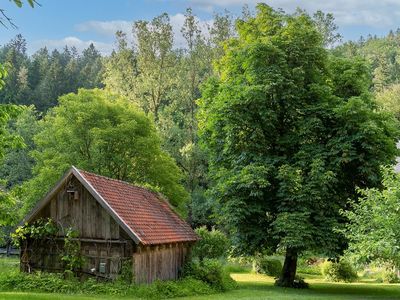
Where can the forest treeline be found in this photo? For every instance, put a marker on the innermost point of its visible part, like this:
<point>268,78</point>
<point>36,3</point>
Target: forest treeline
<point>41,78</point>
<point>163,81</point>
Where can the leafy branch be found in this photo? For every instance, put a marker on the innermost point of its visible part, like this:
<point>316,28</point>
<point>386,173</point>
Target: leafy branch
<point>5,19</point>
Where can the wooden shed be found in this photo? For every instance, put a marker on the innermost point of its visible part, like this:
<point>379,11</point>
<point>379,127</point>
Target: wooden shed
<point>117,222</point>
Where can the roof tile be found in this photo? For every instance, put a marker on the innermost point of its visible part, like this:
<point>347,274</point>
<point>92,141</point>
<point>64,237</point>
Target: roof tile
<point>146,213</point>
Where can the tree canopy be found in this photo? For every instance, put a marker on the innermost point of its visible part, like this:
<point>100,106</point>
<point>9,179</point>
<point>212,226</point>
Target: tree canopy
<point>106,134</point>
<point>291,132</point>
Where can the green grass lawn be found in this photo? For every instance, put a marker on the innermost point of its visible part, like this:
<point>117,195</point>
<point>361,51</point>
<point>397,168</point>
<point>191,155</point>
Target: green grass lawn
<point>251,286</point>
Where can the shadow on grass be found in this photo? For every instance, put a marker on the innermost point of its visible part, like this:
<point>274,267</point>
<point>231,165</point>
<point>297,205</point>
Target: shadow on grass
<point>358,289</point>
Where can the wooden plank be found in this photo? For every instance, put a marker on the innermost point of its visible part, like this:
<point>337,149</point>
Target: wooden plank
<point>53,208</point>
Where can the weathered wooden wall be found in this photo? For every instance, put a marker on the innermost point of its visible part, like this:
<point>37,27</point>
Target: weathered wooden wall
<point>162,262</point>
<point>83,213</point>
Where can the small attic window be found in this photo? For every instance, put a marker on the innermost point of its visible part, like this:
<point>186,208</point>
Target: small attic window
<point>72,192</point>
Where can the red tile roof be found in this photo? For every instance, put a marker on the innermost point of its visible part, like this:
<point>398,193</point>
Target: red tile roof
<point>149,216</point>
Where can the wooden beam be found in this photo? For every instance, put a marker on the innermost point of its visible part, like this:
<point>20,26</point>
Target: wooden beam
<point>86,240</point>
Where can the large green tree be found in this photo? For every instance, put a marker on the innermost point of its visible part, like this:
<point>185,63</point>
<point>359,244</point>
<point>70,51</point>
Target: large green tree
<point>156,61</point>
<point>290,133</point>
<point>105,134</point>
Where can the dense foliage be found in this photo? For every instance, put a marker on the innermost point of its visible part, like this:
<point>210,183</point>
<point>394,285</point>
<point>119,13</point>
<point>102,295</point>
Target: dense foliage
<point>8,141</point>
<point>374,224</point>
<point>291,133</point>
<point>268,265</point>
<point>339,271</point>
<point>43,77</point>
<point>389,99</point>
<point>212,244</point>
<point>56,283</point>
<point>40,229</point>
<point>103,133</point>
<point>391,276</point>
<point>382,55</point>
<point>17,162</point>
<point>210,271</point>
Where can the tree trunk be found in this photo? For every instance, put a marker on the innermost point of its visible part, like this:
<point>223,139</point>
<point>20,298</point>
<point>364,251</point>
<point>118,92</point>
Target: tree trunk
<point>289,269</point>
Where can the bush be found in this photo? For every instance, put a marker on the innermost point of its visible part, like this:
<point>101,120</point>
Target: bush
<point>268,266</point>
<point>55,283</point>
<point>390,277</point>
<point>170,289</point>
<point>339,271</point>
<point>210,271</point>
<point>213,244</point>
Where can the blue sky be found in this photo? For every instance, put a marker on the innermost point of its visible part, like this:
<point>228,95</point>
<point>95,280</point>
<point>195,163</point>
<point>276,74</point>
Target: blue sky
<point>80,22</point>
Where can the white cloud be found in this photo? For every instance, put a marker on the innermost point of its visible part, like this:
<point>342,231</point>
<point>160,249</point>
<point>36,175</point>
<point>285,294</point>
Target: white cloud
<point>107,28</point>
<point>347,12</point>
<point>71,41</point>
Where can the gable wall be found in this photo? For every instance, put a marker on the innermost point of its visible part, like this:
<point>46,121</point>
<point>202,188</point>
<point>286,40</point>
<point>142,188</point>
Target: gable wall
<point>84,214</point>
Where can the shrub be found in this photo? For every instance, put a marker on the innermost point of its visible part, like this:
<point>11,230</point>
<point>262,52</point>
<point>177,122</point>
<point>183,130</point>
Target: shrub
<point>210,271</point>
<point>390,277</point>
<point>267,265</point>
<point>339,271</point>
<point>213,244</point>
<point>55,283</point>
